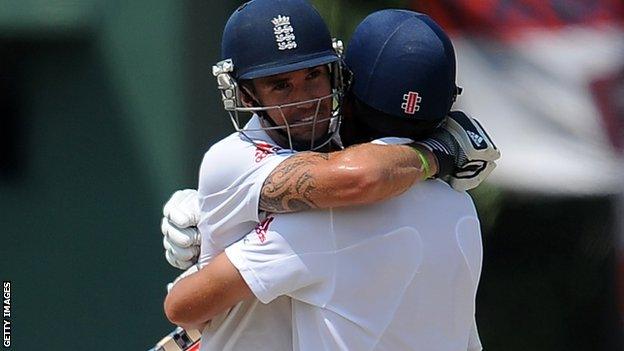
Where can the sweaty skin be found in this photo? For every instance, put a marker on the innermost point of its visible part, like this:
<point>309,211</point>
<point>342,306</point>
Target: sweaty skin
<point>361,174</point>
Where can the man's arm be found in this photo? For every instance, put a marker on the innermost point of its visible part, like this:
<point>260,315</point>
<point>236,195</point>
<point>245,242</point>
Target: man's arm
<point>460,152</point>
<point>263,264</point>
<point>358,175</point>
<point>198,298</point>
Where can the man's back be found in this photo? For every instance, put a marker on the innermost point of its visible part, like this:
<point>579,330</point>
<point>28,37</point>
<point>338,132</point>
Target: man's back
<point>398,275</point>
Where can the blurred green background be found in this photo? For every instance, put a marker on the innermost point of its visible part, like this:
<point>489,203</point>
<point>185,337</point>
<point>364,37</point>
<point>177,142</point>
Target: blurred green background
<point>107,108</point>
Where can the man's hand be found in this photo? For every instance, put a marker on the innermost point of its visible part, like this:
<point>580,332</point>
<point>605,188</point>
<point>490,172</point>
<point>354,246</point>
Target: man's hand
<point>181,238</point>
<point>465,152</point>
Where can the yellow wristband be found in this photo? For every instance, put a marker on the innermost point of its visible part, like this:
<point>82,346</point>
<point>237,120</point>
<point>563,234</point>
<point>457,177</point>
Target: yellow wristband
<point>424,162</point>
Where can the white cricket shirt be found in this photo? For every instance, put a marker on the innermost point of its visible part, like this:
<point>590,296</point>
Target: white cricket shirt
<point>230,180</point>
<point>397,275</point>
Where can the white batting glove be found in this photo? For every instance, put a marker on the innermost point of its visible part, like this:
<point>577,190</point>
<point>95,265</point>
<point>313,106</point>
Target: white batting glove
<point>181,238</point>
<point>465,152</point>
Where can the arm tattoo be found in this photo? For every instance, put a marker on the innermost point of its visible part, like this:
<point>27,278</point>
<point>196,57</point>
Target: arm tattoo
<point>291,186</point>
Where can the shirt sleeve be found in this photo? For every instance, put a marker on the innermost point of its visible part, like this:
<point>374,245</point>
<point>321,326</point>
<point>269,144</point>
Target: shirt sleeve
<point>273,265</point>
<point>230,184</point>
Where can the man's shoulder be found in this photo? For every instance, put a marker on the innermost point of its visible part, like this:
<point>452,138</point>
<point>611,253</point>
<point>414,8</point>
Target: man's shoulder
<point>437,191</point>
<point>423,203</point>
<point>237,148</point>
<point>437,199</point>
<point>229,145</point>
<point>231,158</point>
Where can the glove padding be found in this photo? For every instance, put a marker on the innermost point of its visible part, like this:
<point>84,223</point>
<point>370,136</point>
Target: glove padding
<point>181,238</point>
<point>465,152</point>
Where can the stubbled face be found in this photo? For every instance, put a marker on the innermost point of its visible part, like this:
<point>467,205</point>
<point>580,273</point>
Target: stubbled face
<point>292,87</point>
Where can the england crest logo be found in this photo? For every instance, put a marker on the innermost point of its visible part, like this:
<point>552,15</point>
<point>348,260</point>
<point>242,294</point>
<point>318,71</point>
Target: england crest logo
<point>284,33</point>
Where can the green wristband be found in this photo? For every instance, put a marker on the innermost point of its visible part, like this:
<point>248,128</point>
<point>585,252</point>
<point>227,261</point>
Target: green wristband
<point>423,161</point>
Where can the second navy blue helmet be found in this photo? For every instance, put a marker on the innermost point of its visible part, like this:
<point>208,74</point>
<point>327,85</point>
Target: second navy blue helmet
<point>403,65</point>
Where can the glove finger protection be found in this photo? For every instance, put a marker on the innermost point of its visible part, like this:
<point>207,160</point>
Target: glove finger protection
<point>464,151</point>
<point>480,151</point>
<point>176,263</point>
<point>182,237</point>
<point>183,208</point>
<point>471,137</point>
<point>470,180</point>
<point>181,253</point>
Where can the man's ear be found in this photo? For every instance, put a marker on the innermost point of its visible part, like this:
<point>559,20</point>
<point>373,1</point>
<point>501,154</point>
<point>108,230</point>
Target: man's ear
<point>246,96</point>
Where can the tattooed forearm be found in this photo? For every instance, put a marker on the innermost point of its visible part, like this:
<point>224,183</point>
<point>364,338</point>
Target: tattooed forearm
<point>291,186</point>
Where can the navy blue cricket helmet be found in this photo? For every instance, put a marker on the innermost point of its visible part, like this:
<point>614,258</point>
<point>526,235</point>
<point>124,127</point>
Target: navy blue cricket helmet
<point>268,37</point>
<point>403,65</point>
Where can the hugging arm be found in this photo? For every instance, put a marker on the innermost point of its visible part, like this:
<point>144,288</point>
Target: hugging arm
<point>196,299</point>
<point>460,152</point>
<point>358,175</point>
